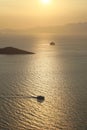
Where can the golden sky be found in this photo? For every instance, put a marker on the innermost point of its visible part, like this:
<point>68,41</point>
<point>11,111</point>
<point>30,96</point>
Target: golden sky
<point>31,13</point>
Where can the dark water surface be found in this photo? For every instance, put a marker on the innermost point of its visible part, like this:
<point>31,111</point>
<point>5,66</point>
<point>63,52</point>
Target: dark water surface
<point>57,72</point>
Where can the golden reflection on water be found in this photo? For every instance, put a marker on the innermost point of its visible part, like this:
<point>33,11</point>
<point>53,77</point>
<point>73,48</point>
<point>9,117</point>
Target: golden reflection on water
<point>41,76</point>
<point>46,82</point>
<point>45,78</point>
<point>51,72</point>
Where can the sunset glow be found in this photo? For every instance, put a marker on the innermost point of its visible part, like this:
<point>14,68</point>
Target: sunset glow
<point>33,13</point>
<point>45,1</point>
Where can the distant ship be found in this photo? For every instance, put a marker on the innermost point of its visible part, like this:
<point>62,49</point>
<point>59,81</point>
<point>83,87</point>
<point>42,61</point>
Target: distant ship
<point>52,43</point>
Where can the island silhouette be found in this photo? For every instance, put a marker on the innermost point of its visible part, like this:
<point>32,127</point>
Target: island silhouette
<point>13,51</point>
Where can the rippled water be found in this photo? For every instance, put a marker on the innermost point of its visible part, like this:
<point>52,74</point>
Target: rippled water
<point>57,72</point>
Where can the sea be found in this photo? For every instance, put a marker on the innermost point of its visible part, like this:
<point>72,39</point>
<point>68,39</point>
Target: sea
<point>57,72</point>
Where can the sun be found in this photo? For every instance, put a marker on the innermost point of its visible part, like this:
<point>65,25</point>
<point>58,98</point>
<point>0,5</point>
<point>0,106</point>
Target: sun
<point>45,1</point>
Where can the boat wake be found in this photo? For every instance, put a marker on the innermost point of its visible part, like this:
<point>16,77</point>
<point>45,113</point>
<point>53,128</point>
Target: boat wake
<point>39,98</point>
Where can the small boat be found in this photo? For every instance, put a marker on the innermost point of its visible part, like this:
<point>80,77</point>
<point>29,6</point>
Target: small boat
<point>52,43</point>
<point>40,98</point>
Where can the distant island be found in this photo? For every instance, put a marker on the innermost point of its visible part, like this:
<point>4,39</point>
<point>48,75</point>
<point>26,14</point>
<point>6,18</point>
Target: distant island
<point>13,51</point>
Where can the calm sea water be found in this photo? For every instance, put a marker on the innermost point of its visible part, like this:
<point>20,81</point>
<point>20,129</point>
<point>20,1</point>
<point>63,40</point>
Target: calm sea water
<point>57,72</point>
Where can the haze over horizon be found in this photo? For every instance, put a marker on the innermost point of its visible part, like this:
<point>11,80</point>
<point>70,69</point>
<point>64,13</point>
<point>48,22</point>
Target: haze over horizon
<point>34,13</point>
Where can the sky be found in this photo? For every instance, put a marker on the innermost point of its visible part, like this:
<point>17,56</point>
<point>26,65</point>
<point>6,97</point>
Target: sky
<point>23,14</point>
